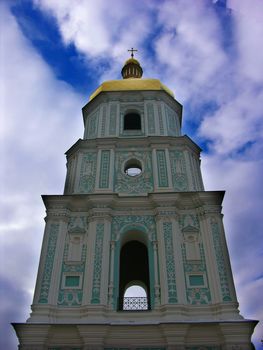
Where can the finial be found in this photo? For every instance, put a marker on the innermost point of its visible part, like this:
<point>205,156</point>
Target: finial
<point>131,68</point>
<point>132,51</point>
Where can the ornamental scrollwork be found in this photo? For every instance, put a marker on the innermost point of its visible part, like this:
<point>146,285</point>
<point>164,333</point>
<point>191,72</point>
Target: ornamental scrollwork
<point>48,266</point>
<point>142,183</point>
<point>121,223</point>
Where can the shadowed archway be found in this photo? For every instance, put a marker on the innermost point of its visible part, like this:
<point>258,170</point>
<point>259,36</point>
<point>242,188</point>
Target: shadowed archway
<point>134,266</point>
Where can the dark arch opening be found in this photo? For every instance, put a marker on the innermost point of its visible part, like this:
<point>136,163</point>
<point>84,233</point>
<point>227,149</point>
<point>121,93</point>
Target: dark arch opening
<point>134,266</point>
<point>132,121</point>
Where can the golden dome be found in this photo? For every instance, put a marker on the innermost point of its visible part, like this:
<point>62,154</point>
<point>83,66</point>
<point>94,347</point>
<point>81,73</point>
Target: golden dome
<point>131,73</point>
<point>131,69</point>
<point>132,60</point>
<point>131,84</point>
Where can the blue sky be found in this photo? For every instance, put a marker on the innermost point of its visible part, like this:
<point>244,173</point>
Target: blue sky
<point>55,53</point>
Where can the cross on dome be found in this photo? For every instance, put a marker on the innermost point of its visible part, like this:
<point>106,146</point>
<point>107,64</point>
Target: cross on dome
<point>132,51</point>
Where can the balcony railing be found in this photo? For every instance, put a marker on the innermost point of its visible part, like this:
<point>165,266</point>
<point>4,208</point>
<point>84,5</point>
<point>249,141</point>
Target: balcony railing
<point>135,303</point>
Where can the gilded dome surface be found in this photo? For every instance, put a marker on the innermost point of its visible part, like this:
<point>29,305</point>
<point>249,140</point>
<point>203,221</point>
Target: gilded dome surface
<point>132,81</point>
<point>131,84</point>
<point>132,60</point>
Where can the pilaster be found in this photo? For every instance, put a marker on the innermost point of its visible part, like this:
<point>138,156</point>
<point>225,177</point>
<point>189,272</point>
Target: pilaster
<point>162,259</point>
<point>212,275</point>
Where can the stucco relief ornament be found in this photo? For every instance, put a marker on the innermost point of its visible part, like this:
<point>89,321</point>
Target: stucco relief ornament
<point>69,298</point>
<point>134,184</point>
<point>189,221</point>
<point>197,296</point>
<point>77,225</point>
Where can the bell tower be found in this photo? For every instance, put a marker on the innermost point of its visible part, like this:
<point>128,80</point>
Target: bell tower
<point>134,216</point>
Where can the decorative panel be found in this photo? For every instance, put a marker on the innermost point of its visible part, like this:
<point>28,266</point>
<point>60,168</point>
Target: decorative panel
<point>196,295</point>
<point>72,297</point>
<point>93,125</point>
<point>48,266</point>
<point>160,119</point>
<point>103,121</point>
<point>220,260</point>
<point>162,168</point>
<point>150,118</point>
<point>113,120</point>
<point>178,169</point>
<point>195,185</point>
<point>72,281</point>
<point>170,265</point>
<point>88,172</point>
<point>104,169</point>
<point>196,280</point>
<point>171,122</point>
<point>95,299</point>
<point>142,183</point>
<point>77,224</point>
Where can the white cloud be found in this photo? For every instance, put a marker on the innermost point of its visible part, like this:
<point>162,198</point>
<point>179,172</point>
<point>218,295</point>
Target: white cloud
<point>101,28</point>
<point>238,120</point>
<point>248,17</point>
<point>236,123</point>
<point>36,108</point>
<point>190,46</point>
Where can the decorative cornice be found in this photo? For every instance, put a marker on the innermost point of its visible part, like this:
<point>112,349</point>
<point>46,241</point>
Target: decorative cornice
<point>183,142</point>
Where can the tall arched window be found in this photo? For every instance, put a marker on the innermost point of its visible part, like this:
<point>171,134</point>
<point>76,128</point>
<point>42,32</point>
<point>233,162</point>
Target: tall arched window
<point>132,121</point>
<point>134,271</point>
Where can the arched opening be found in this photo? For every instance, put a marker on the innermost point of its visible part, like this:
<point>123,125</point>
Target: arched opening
<point>134,271</point>
<point>135,298</point>
<point>132,121</point>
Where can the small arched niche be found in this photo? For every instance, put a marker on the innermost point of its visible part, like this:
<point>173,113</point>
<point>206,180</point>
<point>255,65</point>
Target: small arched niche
<point>132,121</point>
<point>134,272</point>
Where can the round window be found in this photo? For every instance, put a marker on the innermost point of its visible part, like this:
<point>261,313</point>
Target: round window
<point>133,168</point>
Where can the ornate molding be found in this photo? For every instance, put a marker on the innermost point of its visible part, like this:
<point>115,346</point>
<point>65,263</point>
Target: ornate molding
<point>48,265</point>
<point>95,298</point>
<point>170,264</point>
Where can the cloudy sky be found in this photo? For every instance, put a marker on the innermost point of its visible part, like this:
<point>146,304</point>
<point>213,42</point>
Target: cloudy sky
<point>55,53</point>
